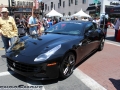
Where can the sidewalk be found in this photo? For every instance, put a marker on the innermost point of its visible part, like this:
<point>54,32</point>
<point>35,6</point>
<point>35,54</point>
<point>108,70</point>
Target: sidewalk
<point>104,66</point>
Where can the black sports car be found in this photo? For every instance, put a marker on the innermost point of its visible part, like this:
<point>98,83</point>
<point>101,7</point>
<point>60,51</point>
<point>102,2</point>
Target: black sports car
<point>56,52</point>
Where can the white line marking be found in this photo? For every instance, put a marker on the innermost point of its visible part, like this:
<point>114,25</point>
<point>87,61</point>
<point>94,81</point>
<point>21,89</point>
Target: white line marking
<point>92,84</point>
<point>112,43</point>
<point>6,73</point>
<point>110,36</point>
<point>29,82</point>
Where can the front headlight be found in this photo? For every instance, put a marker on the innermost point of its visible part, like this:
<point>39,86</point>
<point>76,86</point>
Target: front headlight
<point>46,55</point>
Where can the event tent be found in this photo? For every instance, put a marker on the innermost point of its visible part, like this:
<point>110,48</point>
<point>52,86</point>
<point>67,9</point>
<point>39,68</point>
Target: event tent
<point>81,14</point>
<point>54,13</point>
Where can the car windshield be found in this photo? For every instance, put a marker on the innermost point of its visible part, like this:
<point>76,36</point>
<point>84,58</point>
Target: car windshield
<point>66,28</point>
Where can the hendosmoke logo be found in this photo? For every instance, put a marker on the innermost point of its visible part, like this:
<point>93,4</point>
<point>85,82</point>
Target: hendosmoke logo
<point>21,87</point>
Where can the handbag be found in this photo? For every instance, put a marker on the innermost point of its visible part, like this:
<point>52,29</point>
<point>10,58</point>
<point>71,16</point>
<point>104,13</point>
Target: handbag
<point>41,29</point>
<point>118,36</point>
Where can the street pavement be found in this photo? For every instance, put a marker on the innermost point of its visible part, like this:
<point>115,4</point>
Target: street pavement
<point>98,72</point>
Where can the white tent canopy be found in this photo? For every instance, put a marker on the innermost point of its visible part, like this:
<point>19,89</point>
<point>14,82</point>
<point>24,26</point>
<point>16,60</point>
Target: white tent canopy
<point>81,14</point>
<point>54,13</point>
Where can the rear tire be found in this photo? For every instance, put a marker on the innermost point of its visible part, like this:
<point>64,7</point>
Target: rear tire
<point>101,46</point>
<point>67,65</point>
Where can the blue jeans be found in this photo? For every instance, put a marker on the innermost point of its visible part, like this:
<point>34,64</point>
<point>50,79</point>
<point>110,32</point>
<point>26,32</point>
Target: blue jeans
<point>6,41</point>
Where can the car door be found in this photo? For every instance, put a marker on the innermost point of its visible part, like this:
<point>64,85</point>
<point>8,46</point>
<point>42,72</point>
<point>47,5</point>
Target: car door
<point>91,36</point>
<point>82,45</point>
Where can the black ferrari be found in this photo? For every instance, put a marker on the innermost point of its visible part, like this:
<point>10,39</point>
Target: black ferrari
<point>56,52</point>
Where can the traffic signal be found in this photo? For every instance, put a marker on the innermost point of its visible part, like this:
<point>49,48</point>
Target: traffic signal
<point>42,6</point>
<point>97,11</point>
<point>13,3</point>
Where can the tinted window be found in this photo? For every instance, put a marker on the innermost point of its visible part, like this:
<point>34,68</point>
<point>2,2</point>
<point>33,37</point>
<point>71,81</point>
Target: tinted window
<point>89,26</point>
<point>95,25</point>
<point>66,28</point>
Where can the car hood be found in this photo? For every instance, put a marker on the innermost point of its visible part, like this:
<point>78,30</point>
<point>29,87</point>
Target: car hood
<point>34,45</point>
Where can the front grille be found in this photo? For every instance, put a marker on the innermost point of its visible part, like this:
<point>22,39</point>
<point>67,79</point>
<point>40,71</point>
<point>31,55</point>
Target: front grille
<point>23,67</point>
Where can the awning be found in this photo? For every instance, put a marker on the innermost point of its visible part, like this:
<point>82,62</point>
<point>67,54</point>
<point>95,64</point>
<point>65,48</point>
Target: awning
<point>90,8</point>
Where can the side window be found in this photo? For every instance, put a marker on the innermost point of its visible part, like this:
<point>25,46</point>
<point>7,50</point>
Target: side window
<point>89,26</point>
<point>95,25</point>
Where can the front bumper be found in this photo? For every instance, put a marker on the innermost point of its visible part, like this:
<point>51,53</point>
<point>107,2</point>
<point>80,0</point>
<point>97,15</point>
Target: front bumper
<point>36,72</point>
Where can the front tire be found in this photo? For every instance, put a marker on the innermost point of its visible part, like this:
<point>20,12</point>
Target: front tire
<point>67,65</point>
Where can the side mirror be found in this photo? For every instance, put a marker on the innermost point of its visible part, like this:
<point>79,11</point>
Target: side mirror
<point>89,33</point>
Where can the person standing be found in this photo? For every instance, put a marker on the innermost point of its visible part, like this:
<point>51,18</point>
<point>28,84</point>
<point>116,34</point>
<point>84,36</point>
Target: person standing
<point>117,25</point>
<point>33,24</point>
<point>103,24</point>
<point>8,29</point>
<point>98,22</point>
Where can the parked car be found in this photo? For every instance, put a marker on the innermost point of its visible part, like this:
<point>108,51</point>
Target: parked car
<point>55,53</point>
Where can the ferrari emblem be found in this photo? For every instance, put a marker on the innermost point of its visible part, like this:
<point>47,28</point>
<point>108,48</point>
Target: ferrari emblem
<point>14,64</point>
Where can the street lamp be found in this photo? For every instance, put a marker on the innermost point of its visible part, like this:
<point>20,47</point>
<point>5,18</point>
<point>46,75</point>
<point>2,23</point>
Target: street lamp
<point>9,5</point>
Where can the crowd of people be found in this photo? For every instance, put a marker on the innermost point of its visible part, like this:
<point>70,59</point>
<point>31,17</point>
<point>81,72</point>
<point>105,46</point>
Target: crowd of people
<point>33,24</point>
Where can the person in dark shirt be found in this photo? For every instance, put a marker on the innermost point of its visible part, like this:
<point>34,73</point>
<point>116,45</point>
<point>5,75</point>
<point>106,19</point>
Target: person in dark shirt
<point>103,24</point>
<point>60,19</point>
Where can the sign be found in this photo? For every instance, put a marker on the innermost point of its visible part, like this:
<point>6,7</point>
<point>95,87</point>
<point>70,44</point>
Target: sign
<point>93,4</point>
<point>24,4</point>
<point>114,3</point>
<point>111,10</point>
<point>95,1</point>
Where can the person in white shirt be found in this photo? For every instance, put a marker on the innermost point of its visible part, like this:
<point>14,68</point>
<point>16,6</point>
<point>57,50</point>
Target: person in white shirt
<point>94,20</point>
<point>98,22</point>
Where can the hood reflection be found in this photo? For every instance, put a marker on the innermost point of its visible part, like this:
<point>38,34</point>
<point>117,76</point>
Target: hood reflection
<point>36,36</point>
<point>17,48</point>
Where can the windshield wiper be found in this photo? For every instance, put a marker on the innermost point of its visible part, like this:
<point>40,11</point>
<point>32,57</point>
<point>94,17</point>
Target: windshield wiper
<point>57,33</point>
<point>47,32</point>
<point>61,33</point>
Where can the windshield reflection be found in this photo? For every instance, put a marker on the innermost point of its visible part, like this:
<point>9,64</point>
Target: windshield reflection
<point>66,28</point>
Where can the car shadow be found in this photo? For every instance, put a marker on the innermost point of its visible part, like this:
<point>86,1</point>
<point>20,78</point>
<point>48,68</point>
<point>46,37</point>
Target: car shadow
<point>20,77</point>
<point>116,83</point>
<point>111,38</point>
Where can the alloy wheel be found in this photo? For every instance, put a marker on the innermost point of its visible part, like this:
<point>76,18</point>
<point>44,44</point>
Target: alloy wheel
<point>67,65</point>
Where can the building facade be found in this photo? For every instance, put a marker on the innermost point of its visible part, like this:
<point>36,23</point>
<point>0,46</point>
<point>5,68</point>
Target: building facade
<point>65,7</point>
<point>3,3</point>
<point>20,8</point>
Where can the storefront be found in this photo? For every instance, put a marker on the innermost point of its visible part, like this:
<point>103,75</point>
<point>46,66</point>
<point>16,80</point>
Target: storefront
<point>21,8</point>
<point>113,11</point>
<point>19,12</point>
<point>103,5</point>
